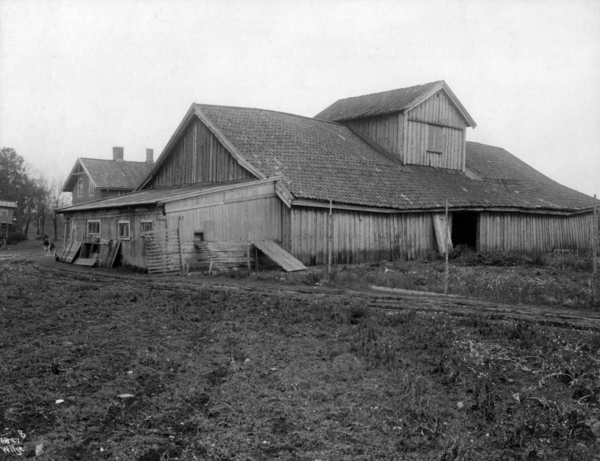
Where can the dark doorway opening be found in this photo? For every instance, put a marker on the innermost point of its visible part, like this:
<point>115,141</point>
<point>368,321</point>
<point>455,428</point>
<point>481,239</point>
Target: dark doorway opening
<point>464,228</point>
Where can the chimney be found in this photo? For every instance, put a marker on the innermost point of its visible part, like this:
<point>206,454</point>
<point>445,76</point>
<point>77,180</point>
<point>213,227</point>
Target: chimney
<point>149,155</point>
<point>118,154</point>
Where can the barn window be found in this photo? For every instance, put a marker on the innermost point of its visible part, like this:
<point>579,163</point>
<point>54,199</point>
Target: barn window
<point>93,227</point>
<point>124,233</point>
<point>435,142</point>
<point>80,187</point>
<point>92,189</point>
<point>146,226</point>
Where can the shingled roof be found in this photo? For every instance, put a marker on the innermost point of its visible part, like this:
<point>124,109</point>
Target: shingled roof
<point>111,174</point>
<point>387,102</point>
<point>326,161</point>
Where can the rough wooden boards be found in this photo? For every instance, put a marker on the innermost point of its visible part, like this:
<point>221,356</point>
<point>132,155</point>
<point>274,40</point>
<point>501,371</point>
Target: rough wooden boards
<point>163,251</point>
<point>221,255</point>
<point>439,224</point>
<point>91,261</point>
<point>72,253</point>
<point>279,255</point>
<point>103,254</point>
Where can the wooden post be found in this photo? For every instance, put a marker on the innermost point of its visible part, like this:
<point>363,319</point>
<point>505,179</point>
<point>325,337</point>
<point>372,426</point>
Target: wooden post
<point>180,245</point>
<point>68,223</point>
<point>329,237</point>
<point>595,255</point>
<point>446,235</point>
<point>248,257</point>
<point>256,259</point>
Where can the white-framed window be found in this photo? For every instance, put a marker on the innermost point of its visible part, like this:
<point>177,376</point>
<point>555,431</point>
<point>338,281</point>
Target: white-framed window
<point>124,230</point>
<point>80,187</point>
<point>92,189</point>
<point>435,140</point>
<point>146,226</point>
<point>93,227</point>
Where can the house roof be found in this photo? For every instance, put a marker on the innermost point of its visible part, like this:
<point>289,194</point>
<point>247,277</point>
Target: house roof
<point>322,161</point>
<point>327,161</point>
<point>149,197</point>
<point>110,174</point>
<point>388,102</point>
<point>8,204</point>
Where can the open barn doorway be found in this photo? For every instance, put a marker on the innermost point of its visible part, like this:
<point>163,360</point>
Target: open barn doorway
<point>464,228</point>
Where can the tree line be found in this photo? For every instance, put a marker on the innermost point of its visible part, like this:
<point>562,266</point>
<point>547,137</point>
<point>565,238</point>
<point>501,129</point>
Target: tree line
<point>37,197</point>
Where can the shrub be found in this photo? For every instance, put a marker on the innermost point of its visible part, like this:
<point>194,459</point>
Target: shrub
<point>16,237</point>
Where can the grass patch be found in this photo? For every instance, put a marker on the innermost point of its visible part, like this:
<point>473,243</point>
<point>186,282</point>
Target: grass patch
<point>218,375</point>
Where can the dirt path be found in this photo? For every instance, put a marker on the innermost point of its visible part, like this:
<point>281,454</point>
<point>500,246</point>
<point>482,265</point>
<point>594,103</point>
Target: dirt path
<point>546,315</point>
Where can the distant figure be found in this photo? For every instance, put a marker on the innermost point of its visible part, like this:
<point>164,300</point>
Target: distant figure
<point>2,243</point>
<point>46,247</point>
<point>52,249</point>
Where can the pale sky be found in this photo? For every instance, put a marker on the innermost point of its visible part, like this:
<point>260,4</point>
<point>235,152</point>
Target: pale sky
<point>79,77</point>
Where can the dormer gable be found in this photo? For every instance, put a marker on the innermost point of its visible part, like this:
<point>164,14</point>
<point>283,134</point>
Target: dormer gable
<point>421,125</point>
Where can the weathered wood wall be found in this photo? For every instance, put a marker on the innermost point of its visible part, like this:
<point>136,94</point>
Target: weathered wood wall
<point>439,110</point>
<point>252,212</point>
<point>358,236</point>
<point>406,135</point>
<point>198,157</point>
<point>453,146</point>
<point>384,130</point>
<point>133,249</point>
<point>534,232</point>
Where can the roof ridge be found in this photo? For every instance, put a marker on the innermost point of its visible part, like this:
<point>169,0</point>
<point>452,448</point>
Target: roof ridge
<point>116,161</point>
<point>270,110</point>
<point>389,91</point>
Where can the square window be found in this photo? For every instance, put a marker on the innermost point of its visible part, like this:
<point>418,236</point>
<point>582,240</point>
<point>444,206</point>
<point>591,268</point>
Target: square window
<point>93,227</point>
<point>4,213</point>
<point>124,233</point>
<point>146,226</point>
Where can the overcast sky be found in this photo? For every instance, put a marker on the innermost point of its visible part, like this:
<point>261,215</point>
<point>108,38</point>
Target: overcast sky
<point>79,77</point>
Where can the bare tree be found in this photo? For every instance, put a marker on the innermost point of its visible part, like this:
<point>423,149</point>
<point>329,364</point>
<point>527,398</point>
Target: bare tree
<point>57,199</point>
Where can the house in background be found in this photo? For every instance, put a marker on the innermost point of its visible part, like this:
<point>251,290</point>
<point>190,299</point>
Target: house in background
<point>6,216</point>
<point>94,179</point>
<point>384,166</point>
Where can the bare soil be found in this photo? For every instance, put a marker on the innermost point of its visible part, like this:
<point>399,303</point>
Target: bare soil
<point>113,364</point>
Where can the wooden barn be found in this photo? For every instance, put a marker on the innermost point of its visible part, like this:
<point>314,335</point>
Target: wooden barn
<point>384,166</point>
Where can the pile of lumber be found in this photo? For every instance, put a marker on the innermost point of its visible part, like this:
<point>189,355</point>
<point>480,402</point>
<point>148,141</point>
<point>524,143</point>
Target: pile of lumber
<point>102,253</point>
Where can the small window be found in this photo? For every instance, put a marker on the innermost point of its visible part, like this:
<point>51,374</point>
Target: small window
<point>435,142</point>
<point>93,227</point>
<point>4,213</point>
<point>80,187</point>
<point>124,233</point>
<point>92,189</point>
<point>146,226</point>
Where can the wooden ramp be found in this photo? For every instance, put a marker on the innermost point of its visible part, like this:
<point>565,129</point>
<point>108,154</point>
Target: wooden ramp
<point>279,255</point>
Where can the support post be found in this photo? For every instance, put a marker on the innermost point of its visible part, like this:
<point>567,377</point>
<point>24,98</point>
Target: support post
<point>329,237</point>
<point>180,245</point>
<point>446,238</point>
<point>595,254</point>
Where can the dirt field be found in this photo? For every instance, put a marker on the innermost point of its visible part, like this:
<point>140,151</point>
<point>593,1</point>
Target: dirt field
<point>113,364</point>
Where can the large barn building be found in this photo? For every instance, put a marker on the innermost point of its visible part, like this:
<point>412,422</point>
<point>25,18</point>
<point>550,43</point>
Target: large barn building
<point>385,165</point>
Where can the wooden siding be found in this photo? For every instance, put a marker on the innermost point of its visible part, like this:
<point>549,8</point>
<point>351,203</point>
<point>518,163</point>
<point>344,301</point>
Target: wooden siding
<point>132,250</point>
<point>198,157</point>
<point>417,143</point>
<point>384,130</point>
<point>359,236</point>
<point>250,213</point>
<point>534,232</point>
<point>438,110</point>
